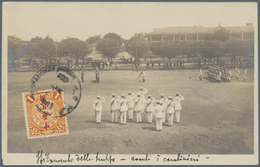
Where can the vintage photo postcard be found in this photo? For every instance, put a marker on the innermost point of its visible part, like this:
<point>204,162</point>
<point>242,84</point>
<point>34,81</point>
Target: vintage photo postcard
<point>130,83</point>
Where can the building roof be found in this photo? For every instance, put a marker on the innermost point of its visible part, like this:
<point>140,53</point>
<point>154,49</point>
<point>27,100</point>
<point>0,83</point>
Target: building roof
<point>200,29</point>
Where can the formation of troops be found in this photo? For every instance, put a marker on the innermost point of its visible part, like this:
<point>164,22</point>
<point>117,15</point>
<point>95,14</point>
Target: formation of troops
<point>136,107</point>
<point>220,73</point>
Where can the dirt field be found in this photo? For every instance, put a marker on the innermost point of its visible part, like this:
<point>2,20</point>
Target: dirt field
<point>216,118</point>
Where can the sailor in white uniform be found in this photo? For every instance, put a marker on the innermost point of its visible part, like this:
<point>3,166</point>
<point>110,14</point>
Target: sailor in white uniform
<point>158,115</point>
<point>123,109</point>
<point>114,107</point>
<point>142,93</point>
<point>164,107</point>
<point>138,108</point>
<point>170,110</point>
<point>97,106</point>
<point>177,107</point>
<point>130,104</point>
<point>150,108</point>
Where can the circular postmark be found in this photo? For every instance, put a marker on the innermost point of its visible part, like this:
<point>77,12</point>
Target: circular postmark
<point>61,80</point>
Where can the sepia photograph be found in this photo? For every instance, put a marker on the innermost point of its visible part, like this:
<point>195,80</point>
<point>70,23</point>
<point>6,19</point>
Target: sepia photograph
<point>130,83</point>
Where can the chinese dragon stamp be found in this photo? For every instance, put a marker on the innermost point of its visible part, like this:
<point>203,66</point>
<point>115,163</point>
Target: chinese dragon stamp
<point>42,113</point>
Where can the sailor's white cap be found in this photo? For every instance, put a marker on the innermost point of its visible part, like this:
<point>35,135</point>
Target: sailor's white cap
<point>141,88</point>
<point>162,95</point>
<point>98,97</point>
<point>149,96</point>
<point>158,102</point>
<point>129,92</point>
<point>123,95</point>
<point>170,97</point>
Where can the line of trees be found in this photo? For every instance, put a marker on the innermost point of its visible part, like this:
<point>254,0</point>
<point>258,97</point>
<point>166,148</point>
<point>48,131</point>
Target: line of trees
<point>216,45</point>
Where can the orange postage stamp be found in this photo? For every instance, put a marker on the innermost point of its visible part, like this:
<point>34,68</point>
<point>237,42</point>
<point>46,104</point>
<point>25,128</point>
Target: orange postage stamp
<point>44,114</point>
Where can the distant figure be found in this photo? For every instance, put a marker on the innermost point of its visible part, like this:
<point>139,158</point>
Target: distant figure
<point>97,76</point>
<point>177,107</point>
<point>82,75</point>
<point>237,72</point>
<point>158,115</point>
<point>245,74</point>
<point>143,75</point>
<point>98,108</point>
<point>114,108</point>
<point>200,74</point>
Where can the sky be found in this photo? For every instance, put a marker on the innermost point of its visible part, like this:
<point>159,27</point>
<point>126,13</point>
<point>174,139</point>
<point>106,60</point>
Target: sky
<point>82,20</point>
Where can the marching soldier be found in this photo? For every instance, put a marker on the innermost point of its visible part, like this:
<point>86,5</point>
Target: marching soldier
<point>130,104</point>
<point>158,115</point>
<point>138,108</point>
<point>170,110</point>
<point>114,107</point>
<point>123,109</point>
<point>245,74</point>
<point>164,107</point>
<point>150,108</point>
<point>98,108</point>
<point>177,107</point>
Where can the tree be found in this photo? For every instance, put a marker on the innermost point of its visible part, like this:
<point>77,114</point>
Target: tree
<point>36,39</point>
<point>169,50</point>
<point>238,47</point>
<point>75,48</point>
<point>114,37</point>
<point>211,49</point>
<point>138,45</point>
<point>14,47</point>
<point>30,51</point>
<point>45,49</point>
<point>190,48</point>
<point>108,47</point>
<point>94,39</point>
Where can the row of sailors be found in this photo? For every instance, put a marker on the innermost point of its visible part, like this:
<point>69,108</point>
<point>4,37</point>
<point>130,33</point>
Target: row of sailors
<point>136,104</point>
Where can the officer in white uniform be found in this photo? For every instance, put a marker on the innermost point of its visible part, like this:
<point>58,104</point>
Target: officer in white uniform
<point>142,93</point>
<point>177,107</point>
<point>123,109</point>
<point>158,115</point>
<point>130,104</point>
<point>97,106</point>
<point>164,106</point>
<point>138,108</point>
<point>170,110</point>
<point>150,108</point>
<point>114,107</point>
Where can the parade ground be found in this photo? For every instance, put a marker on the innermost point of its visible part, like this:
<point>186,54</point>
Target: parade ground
<point>216,117</point>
